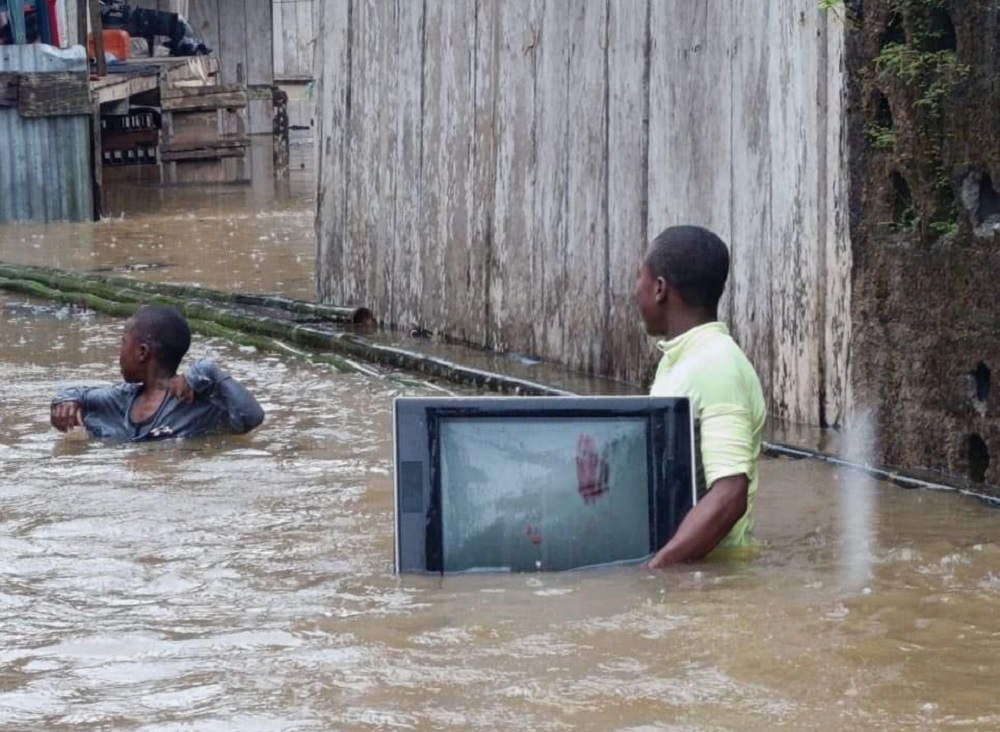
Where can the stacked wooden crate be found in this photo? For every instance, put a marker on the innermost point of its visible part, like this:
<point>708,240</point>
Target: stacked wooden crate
<point>130,139</point>
<point>203,138</point>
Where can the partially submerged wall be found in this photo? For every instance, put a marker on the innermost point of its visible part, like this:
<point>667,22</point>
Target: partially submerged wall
<point>494,171</point>
<point>926,230</point>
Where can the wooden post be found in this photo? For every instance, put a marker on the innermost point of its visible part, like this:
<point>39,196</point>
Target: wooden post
<point>98,30</point>
<point>81,22</point>
<point>15,12</point>
<point>280,133</point>
<point>97,150</point>
<point>97,161</point>
<point>42,16</point>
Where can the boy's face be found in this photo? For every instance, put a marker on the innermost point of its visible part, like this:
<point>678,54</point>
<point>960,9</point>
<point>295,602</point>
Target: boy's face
<point>133,357</point>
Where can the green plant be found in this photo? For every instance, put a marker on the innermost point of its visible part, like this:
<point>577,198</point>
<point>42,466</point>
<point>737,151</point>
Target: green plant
<point>881,137</point>
<point>945,228</point>
<point>907,220</point>
<point>934,73</point>
<point>903,221</point>
<point>834,7</point>
<point>919,70</point>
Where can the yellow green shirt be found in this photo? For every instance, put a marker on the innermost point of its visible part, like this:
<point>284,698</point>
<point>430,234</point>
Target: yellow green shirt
<point>705,365</point>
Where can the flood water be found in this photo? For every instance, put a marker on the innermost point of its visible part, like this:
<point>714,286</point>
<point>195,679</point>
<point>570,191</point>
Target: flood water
<point>245,584</point>
<point>257,238</point>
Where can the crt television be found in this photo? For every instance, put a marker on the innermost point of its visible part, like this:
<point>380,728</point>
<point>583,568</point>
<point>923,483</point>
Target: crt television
<point>538,483</point>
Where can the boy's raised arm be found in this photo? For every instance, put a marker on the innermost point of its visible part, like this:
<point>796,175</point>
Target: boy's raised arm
<point>74,406</point>
<point>207,379</point>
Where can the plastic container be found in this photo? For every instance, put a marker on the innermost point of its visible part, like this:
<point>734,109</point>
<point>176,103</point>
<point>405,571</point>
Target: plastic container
<point>116,43</point>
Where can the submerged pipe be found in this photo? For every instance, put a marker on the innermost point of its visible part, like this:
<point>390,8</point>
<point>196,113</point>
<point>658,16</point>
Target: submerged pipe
<point>90,282</point>
<point>883,474</point>
<point>211,313</point>
<point>119,296</point>
<point>201,321</point>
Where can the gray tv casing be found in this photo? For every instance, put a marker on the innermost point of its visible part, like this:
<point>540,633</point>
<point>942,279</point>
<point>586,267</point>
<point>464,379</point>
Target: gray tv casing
<point>413,489</point>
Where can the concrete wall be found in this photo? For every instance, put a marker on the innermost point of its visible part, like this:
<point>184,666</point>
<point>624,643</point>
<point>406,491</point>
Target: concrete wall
<point>495,170</point>
<point>926,234</point>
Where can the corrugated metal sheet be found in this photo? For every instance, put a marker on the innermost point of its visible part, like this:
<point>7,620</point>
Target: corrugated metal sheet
<point>45,163</point>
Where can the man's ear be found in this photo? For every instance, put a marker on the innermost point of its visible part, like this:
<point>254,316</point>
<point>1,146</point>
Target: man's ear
<point>660,290</point>
<point>143,352</point>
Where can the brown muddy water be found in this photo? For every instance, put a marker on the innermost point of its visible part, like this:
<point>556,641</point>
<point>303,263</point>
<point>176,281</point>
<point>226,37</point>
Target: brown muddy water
<point>245,584</point>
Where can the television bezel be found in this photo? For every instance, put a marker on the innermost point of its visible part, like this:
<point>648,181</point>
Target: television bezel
<point>510,406</point>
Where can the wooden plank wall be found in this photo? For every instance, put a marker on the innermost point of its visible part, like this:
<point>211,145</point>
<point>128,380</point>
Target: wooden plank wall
<point>495,170</point>
<point>295,36</point>
<point>241,35</point>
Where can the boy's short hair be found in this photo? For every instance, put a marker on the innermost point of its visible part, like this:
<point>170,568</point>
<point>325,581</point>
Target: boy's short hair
<point>692,259</point>
<point>166,332</point>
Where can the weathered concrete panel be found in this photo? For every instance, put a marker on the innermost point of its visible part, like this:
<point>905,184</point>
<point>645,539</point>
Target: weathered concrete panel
<point>379,205</point>
<point>752,247</point>
<point>551,51</point>
<point>333,93</point>
<point>628,101</point>
<point>924,316</point>
<point>548,140</point>
<point>792,77</point>
<point>690,93</point>
<point>407,238</point>
<point>511,274</point>
<point>482,224</point>
<point>449,158</point>
<point>367,195</point>
<point>833,205</point>
<point>585,257</point>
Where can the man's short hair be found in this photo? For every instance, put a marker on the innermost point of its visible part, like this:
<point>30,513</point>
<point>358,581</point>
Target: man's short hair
<point>165,330</point>
<point>694,261</point>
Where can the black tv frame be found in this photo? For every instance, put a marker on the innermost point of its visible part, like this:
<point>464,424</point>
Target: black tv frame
<point>418,543</point>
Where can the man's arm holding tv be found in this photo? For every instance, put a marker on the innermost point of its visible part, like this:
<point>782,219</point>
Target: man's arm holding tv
<point>706,524</point>
<point>727,453</point>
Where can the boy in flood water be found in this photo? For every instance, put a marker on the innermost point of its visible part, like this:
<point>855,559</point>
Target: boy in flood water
<point>156,402</point>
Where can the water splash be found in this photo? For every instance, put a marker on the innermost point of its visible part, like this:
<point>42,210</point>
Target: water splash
<point>857,501</point>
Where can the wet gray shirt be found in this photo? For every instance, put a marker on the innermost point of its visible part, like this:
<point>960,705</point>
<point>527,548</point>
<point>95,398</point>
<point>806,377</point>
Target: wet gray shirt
<point>221,405</point>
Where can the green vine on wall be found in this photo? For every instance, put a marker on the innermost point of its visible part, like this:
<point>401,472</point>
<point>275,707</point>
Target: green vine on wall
<point>882,137</point>
<point>917,65</point>
<point>833,7</point>
<point>933,73</point>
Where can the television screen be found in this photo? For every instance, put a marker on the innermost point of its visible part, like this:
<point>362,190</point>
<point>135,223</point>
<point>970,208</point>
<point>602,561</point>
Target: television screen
<point>530,484</point>
<point>511,492</point>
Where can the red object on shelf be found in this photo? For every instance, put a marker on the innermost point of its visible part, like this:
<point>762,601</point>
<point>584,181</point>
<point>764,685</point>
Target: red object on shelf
<point>116,42</point>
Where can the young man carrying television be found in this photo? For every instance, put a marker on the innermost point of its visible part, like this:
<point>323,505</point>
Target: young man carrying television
<point>677,294</point>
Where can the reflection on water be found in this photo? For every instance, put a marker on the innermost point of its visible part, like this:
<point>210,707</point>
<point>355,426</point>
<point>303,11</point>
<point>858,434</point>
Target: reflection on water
<point>251,238</point>
<point>245,584</point>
